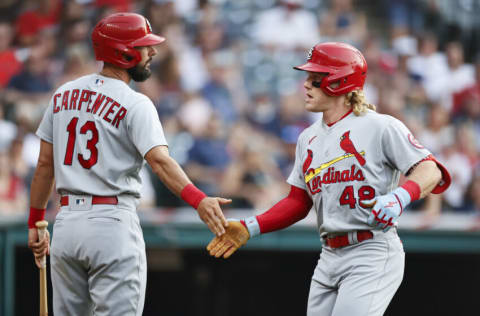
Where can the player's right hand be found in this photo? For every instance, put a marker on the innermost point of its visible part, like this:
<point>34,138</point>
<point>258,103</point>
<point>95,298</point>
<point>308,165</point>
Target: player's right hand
<point>211,214</point>
<point>39,248</point>
<point>236,236</point>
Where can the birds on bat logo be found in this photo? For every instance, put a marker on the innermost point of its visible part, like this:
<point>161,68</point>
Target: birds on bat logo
<point>314,178</point>
<point>347,145</point>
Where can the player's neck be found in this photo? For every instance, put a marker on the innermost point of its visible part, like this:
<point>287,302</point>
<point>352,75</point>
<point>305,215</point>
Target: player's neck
<point>115,73</point>
<point>336,113</point>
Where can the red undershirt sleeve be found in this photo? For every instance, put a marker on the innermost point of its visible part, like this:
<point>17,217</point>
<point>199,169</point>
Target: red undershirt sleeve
<point>286,212</point>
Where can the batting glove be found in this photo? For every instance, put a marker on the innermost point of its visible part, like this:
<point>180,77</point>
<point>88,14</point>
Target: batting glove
<point>236,235</point>
<point>387,208</point>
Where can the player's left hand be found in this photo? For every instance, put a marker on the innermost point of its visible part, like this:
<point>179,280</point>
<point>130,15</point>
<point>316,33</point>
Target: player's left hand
<point>385,211</point>
<point>39,248</point>
<point>236,235</point>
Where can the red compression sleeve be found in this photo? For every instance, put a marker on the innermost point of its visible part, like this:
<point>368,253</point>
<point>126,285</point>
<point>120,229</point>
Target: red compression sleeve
<point>286,212</point>
<point>36,214</point>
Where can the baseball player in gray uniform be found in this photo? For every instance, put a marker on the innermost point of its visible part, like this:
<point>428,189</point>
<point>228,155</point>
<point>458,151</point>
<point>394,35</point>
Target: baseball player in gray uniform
<point>95,136</point>
<point>347,167</point>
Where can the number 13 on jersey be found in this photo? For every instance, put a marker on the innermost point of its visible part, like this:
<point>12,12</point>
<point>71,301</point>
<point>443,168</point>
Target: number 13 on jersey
<point>91,143</point>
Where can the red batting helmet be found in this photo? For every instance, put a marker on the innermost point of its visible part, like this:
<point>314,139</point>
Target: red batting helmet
<point>342,62</point>
<point>115,36</point>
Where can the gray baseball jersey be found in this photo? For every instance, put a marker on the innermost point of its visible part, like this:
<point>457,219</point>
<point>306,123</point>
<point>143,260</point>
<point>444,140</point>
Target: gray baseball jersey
<point>100,130</point>
<point>355,159</point>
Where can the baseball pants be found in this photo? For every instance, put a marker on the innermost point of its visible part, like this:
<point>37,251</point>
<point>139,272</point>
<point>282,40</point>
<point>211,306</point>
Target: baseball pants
<point>358,279</point>
<point>98,261</point>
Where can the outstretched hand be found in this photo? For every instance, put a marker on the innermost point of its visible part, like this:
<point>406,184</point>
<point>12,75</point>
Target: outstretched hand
<point>211,214</point>
<point>236,235</point>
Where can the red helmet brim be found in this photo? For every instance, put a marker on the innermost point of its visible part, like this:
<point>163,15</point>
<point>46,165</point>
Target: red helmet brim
<point>312,67</point>
<point>148,40</point>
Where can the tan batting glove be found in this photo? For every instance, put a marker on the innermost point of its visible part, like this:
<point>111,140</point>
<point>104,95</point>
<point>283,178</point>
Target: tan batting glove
<point>236,235</point>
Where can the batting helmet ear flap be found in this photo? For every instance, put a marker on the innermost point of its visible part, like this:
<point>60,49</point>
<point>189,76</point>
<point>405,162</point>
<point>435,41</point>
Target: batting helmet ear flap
<point>347,81</point>
<point>126,57</point>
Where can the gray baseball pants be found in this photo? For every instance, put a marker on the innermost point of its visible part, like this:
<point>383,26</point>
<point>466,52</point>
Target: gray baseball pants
<point>359,279</point>
<point>98,261</point>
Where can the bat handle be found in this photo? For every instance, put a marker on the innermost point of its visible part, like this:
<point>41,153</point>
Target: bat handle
<point>42,230</point>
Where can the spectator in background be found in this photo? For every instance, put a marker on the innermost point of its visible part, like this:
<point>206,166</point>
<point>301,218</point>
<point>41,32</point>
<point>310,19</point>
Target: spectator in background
<point>461,172</point>
<point>286,26</point>
<point>115,5</point>
<point>262,112</point>
<point>29,91</point>
<point>217,91</point>
<point>460,75</point>
<point>8,131</point>
<point>45,14</point>
<point>252,179</point>
<point>466,144</point>
<point>13,194</point>
<point>466,103</point>
<point>32,82</point>
<point>429,66</point>
<point>208,157</point>
<point>75,33</point>
<point>194,114</point>
<point>438,132</point>
<point>77,63</point>
<point>472,197</point>
<point>11,59</point>
<point>343,23</point>
<point>161,14</point>
<point>17,164</point>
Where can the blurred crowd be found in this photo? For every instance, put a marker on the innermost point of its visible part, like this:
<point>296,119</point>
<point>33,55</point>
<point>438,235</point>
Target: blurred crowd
<point>230,103</point>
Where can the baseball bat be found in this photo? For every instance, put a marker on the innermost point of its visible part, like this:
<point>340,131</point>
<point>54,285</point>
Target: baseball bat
<point>42,228</point>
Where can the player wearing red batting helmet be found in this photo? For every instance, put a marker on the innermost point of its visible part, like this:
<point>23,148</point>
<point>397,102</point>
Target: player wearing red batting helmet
<point>95,136</point>
<point>347,167</point>
<point>116,36</point>
<point>343,63</point>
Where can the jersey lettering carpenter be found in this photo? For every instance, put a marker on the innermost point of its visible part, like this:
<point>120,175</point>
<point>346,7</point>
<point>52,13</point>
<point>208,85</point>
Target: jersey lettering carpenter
<point>114,115</point>
<point>101,130</point>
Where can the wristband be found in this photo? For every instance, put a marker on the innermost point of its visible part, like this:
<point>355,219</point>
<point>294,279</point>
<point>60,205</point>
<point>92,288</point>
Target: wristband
<point>413,190</point>
<point>36,214</point>
<point>252,225</point>
<point>192,195</point>
<point>407,193</point>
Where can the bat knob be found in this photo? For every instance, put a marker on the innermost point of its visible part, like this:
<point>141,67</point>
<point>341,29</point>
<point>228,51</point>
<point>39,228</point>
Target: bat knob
<point>41,224</point>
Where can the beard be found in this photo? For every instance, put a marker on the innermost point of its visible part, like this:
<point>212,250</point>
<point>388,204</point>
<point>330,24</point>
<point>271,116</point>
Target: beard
<point>139,73</point>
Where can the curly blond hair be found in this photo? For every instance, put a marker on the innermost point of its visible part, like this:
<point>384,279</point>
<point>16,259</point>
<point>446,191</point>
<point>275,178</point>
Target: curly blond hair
<point>356,99</point>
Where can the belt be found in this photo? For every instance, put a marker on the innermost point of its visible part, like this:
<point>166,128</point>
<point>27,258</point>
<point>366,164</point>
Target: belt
<point>351,238</point>
<point>113,200</point>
